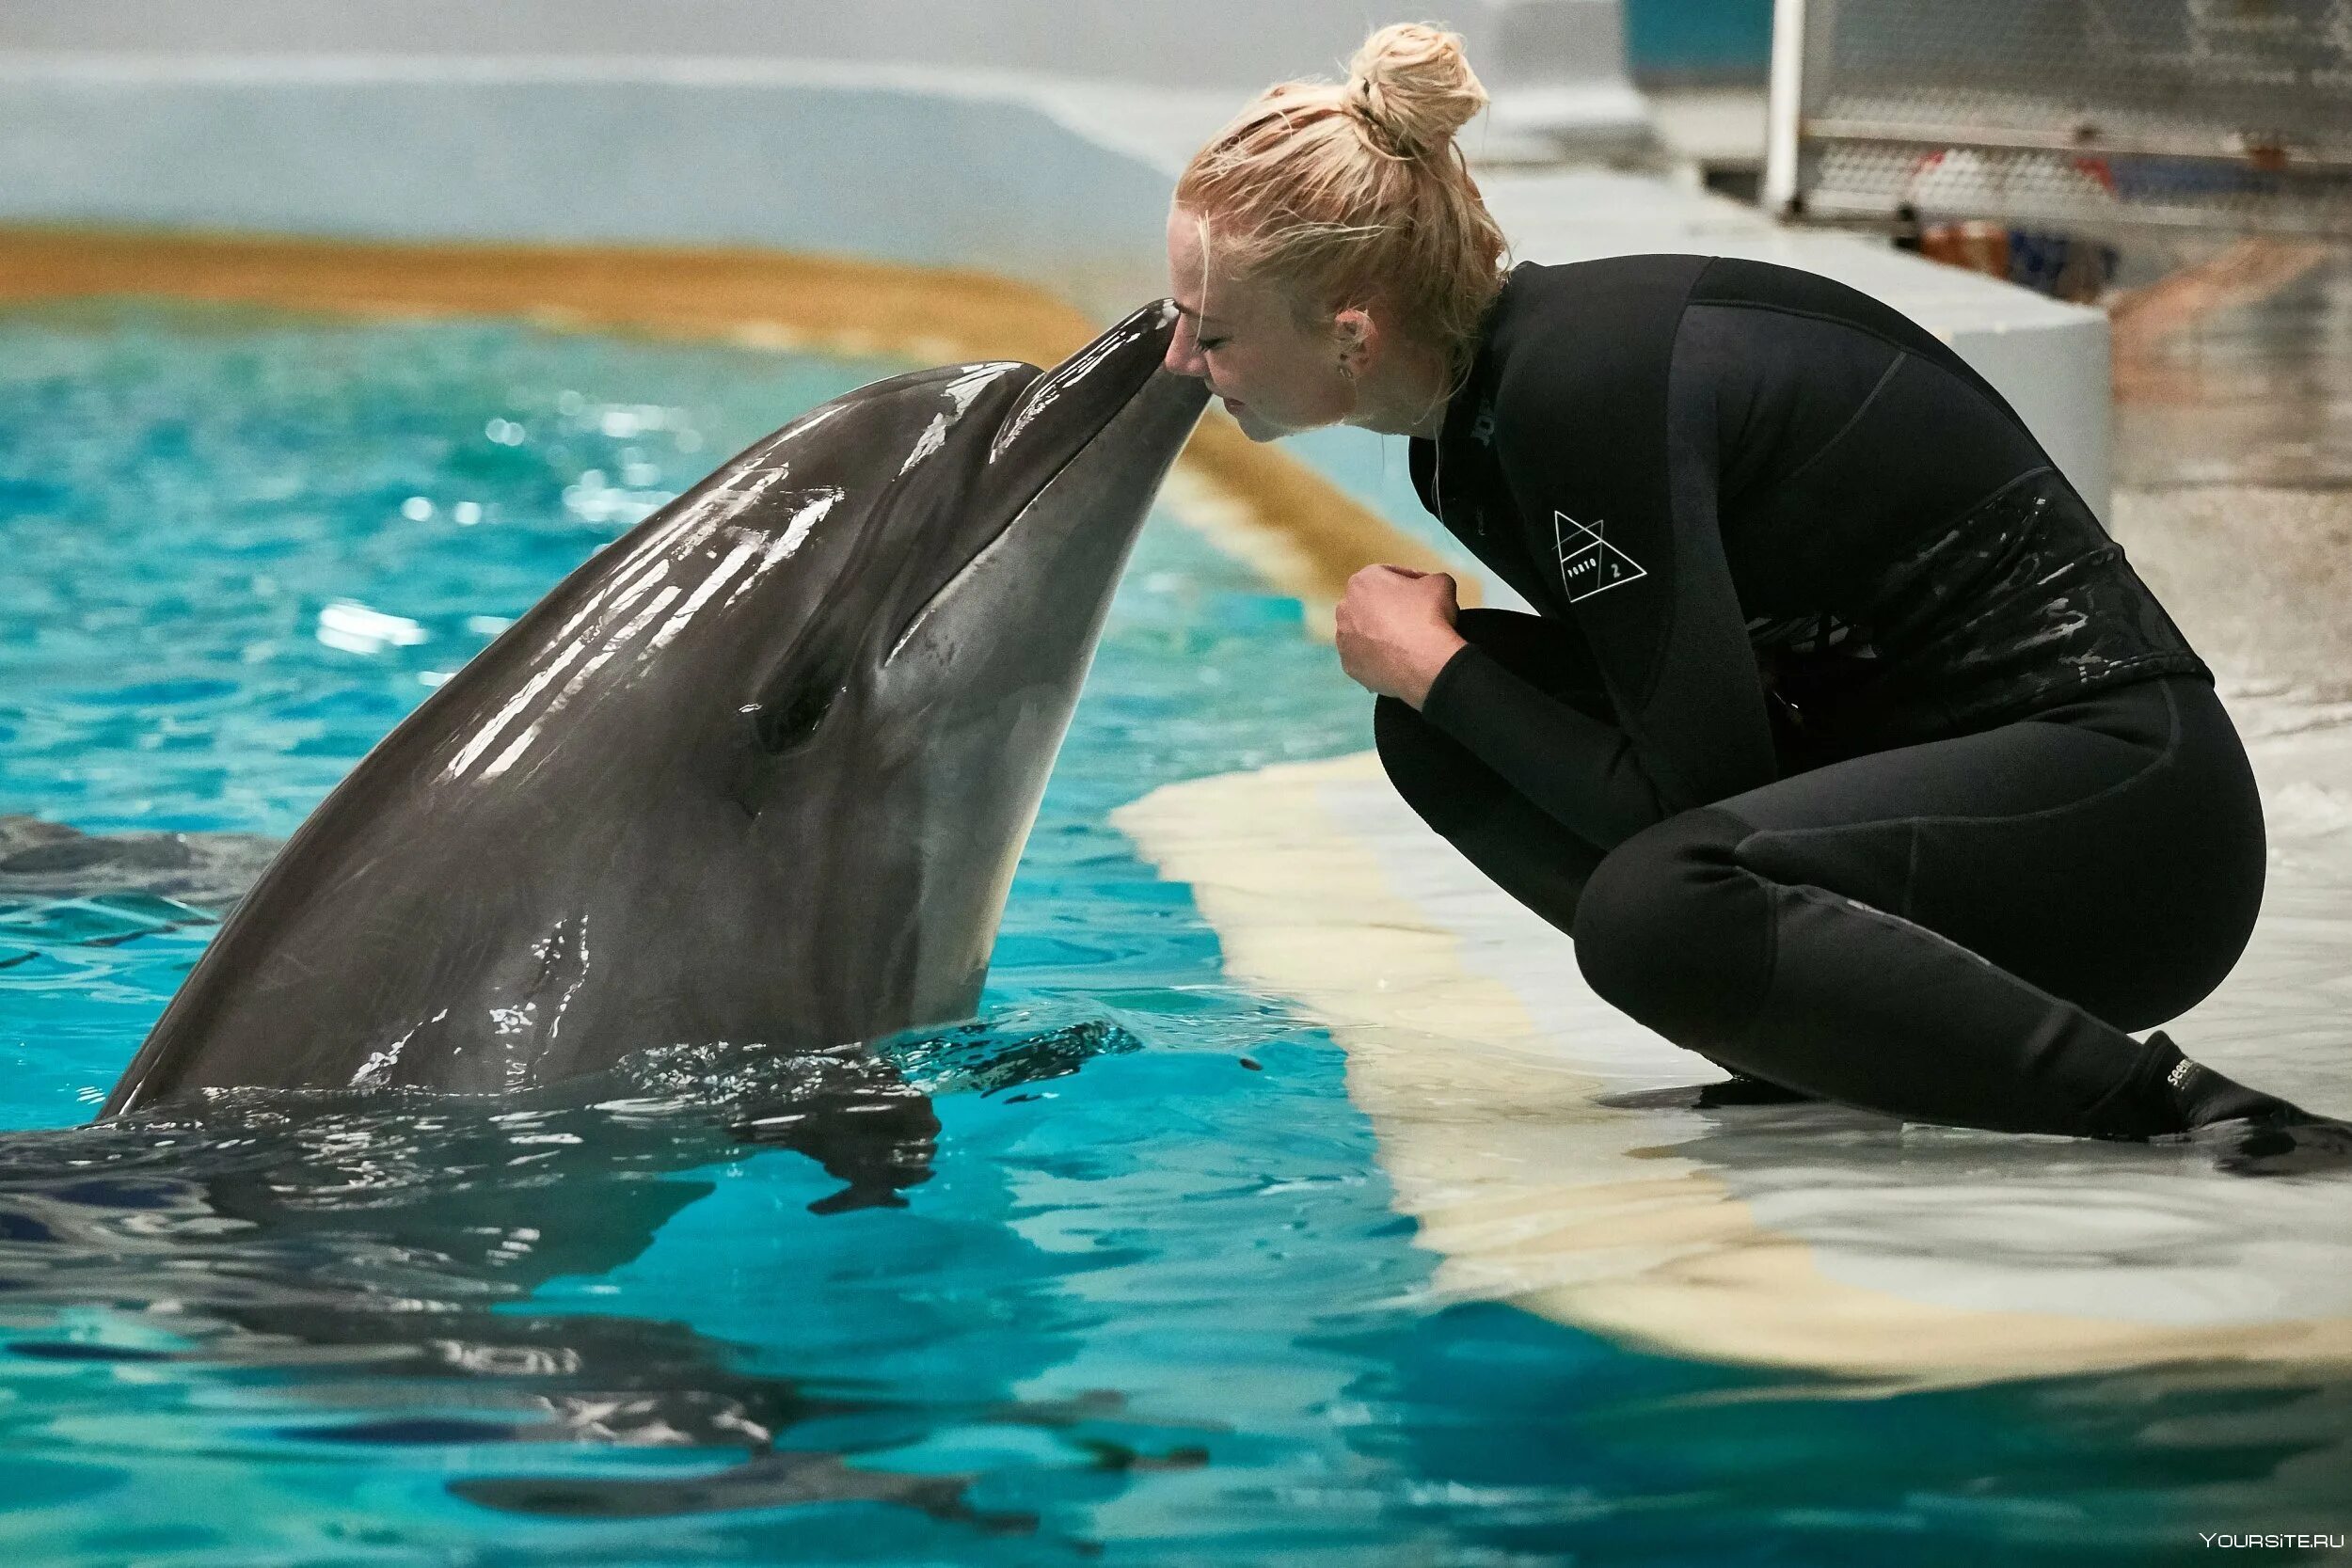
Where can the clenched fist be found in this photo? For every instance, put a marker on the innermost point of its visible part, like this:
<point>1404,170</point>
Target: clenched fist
<point>1395,630</point>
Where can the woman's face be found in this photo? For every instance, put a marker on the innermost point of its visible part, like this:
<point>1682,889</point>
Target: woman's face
<point>1277,374</point>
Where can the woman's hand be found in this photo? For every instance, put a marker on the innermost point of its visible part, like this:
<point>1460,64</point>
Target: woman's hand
<point>1395,630</point>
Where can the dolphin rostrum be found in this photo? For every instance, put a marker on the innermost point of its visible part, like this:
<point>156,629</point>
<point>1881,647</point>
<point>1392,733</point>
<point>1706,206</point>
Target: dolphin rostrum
<point>759,771</point>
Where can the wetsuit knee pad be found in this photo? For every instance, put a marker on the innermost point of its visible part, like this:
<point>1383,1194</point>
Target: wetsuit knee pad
<point>1674,932</point>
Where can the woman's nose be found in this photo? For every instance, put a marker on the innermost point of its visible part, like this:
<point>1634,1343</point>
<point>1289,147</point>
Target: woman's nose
<point>1183,354</point>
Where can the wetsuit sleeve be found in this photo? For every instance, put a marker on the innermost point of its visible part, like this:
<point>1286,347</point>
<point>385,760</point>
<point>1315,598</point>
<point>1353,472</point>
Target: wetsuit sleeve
<point>1579,770</point>
<point>1628,497</point>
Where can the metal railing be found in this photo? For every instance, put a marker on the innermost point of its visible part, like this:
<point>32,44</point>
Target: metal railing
<point>2080,116</point>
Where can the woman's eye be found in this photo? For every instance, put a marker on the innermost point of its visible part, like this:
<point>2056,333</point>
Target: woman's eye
<point>1208,343</point>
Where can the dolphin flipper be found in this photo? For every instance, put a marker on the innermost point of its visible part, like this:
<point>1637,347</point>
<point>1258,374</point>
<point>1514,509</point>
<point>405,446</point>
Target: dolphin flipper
<point>42,860</point>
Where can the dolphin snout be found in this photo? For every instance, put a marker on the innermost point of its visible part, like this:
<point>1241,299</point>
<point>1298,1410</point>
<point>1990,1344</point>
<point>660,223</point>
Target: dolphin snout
<point>1070,404</point>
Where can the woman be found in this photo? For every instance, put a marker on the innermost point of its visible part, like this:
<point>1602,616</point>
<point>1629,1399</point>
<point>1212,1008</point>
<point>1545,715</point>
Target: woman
<point>1846,746</point>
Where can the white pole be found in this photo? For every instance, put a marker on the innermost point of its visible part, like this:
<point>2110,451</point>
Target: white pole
<point>1785,109</point>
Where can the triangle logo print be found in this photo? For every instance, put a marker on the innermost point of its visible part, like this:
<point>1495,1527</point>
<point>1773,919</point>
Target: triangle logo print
<point>1588,563</point>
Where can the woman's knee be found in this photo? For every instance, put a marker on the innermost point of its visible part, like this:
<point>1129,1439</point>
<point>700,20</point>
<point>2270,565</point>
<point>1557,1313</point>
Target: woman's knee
<point>1429,768</point>
<point>1673,931</point>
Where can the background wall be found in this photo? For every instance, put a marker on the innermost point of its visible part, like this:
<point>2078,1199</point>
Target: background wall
<point>790,160</point>
<point>1035,138</point>
<point>1556,64</point>
<point>1232,42</point>
<point>1698,42</point>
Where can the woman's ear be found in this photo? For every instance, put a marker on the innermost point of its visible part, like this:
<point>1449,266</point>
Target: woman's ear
<point>1357,336</point>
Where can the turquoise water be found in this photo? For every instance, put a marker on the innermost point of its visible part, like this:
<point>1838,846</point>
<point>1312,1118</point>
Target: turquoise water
<point>1152,1307</point>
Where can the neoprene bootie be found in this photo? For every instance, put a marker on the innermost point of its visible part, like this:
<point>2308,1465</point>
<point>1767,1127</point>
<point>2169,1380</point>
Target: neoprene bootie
<point>2261,1134</point>
<point>2203,1096</point>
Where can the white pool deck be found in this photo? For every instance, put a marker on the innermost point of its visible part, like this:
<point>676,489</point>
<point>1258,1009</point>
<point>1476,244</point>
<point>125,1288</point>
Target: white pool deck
<point>1808,1236</point>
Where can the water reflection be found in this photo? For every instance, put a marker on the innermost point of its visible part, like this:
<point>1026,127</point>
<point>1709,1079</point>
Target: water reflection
<point>373,1258</point>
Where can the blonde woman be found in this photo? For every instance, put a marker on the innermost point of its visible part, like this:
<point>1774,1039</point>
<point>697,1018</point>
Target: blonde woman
<point>1846,746</point>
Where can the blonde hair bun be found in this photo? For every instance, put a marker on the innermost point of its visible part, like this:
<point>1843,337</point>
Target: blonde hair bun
<point>1349,193</point>
<point>1413,83</point>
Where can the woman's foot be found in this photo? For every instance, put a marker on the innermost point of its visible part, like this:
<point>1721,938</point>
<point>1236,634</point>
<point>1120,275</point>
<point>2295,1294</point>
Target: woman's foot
<point>2257,1134</point>
<point>2168,1094</point>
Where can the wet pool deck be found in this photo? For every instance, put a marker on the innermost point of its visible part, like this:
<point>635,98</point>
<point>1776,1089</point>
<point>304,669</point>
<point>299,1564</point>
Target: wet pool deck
<point>2234,427</point>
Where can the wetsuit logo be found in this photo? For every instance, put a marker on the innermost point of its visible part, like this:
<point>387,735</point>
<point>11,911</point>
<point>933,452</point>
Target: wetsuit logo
<point>1589,563</point>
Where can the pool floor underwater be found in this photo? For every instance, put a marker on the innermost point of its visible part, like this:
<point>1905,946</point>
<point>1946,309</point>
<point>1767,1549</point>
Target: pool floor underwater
<point>1156,1304</point>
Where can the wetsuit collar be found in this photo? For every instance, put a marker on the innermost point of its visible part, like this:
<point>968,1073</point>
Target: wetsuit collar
<point>1476,394</point>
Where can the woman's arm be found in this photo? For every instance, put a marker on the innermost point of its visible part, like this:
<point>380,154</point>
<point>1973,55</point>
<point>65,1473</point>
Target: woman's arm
<point>1519,691</point>
<point>1584,773</point>
<point>1631,499</point>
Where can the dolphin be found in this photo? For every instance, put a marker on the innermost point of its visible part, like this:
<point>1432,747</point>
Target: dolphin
<point>758,772</point>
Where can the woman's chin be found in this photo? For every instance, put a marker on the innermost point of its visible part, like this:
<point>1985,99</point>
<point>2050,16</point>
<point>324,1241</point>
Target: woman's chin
<point>1253,425</point>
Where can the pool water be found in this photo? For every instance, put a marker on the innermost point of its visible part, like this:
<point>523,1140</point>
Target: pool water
<point>1152,1306</point>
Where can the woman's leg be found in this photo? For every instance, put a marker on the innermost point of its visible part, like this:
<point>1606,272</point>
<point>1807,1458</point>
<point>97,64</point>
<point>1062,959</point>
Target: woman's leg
<point>1958,931</point>
<point>1523,848</point>
<point>1520,848</point>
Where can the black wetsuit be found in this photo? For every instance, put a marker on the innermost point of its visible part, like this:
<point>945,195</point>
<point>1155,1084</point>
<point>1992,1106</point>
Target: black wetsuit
<point>1847,745</point>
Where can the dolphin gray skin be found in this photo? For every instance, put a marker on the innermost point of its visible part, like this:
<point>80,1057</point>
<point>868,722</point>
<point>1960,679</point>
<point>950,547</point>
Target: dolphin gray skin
<point>759,771</point>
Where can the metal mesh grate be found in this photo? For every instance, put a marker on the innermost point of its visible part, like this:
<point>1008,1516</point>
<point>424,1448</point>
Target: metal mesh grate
<point>2073,114</point>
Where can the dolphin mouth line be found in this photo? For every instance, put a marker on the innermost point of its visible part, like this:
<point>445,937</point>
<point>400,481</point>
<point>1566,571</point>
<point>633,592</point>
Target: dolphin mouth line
<point>915,622</point>
<point>1040,394</point>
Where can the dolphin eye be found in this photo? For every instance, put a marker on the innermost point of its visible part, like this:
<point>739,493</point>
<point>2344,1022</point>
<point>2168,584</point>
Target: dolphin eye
<point>781,726</point>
